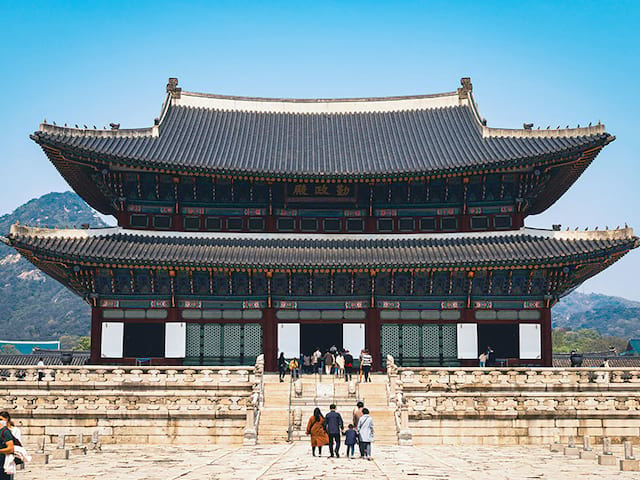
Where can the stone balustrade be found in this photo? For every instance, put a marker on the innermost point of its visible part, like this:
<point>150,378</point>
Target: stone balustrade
<point>132,404</point>
<point>516,405</point>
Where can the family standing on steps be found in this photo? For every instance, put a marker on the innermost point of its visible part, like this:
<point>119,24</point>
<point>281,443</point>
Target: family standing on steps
<point>328,430</point>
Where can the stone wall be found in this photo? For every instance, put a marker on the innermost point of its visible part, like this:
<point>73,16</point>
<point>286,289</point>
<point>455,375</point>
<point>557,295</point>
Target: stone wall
<point>180,405</point>
<point>507,406</point>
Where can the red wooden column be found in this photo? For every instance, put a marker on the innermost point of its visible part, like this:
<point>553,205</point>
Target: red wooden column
<point>96,335</point>
<point>547,349</point>
<point>372,337</point>
<point>270,339</point>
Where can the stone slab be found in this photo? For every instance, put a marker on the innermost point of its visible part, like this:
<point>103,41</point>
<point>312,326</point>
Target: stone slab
<point>587,454</point>
<point>571,451</point>
<point>607,460</point>
<point>627,465</point>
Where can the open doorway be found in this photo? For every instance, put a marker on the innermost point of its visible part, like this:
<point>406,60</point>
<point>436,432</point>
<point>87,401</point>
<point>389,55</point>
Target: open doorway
<point>320,335</point>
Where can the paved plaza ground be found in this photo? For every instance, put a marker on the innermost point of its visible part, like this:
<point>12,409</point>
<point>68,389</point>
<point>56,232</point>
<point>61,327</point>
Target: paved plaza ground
<point>294,461</point>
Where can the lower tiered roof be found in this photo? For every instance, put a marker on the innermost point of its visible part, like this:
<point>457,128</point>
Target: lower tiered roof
<point>119,247</point>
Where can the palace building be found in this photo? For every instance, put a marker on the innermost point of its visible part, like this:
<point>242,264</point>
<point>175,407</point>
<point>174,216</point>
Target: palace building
<point>252,225</point>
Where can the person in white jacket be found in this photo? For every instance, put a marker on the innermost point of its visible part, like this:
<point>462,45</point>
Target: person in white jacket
<point>365,433</point>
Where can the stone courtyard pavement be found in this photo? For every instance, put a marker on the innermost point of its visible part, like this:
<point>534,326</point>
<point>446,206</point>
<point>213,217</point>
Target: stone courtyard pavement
<point>294,461</point>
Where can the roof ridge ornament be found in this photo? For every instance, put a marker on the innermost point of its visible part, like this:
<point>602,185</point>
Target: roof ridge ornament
<point>467,87</point>
<point>173,89</point>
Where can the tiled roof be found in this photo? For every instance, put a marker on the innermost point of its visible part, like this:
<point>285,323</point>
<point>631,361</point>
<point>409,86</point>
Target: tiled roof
<point>312,138</point>
<point>48,358</point>
<point>116,245</point>
<point>592,362</point>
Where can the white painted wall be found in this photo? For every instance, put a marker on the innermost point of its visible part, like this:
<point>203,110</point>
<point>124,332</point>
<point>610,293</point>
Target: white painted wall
<point>468,340</point>
<point>353,337</point>
<point>530,341</point>
<point>175,341</point>
<point>112,339</point>
<point>289,339</point>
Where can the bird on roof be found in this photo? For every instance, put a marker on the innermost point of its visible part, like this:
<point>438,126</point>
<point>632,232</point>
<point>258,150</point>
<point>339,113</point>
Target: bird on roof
<point>65,124</point>
<point>45,121</point>
<point>596,227</point>
<point>577,229</point>
<point>606,227</point>
<point>589,123</point>
<point>54,124</point>
<point>85,127</point>
<point>617,227</point>
<point>94,127</point>
<point>77,126</point>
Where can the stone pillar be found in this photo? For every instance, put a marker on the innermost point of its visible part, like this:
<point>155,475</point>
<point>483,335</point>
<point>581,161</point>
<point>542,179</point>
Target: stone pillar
<point>606,457</point>
<point>250,433</point>
<point>404,435</point>
<point>629,463</point>
<point>586,451</point>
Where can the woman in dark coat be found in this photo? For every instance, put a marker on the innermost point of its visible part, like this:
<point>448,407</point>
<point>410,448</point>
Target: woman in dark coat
<point>315,428</point>
<point>282,366</point>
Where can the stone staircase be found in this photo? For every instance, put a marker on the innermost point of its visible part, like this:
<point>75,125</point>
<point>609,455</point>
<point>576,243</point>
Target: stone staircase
<point>315,391</point>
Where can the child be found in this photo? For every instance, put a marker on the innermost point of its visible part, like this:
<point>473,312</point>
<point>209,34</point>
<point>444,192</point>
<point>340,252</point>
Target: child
<point>351,437</point>
<point>294,367</point>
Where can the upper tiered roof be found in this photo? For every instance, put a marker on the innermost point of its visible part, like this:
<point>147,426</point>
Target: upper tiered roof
<point>336,138</point>
<point>117,246</point>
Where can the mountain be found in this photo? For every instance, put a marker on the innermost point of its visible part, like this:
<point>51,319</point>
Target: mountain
<point>33,306</point>
<point>614,316</point>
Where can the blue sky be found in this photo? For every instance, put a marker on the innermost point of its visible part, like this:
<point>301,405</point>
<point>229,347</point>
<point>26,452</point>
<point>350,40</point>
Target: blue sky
<point>551,63</point>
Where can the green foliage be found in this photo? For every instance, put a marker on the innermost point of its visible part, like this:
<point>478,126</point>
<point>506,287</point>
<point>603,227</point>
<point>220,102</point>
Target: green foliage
<point>584,340</point>
<point>33,305</point>
<point>75,342</point>
<point>9,349</point>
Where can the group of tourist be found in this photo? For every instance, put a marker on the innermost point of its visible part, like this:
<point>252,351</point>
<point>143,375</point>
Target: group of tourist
<point>328,430</point>
<point>333,362</point>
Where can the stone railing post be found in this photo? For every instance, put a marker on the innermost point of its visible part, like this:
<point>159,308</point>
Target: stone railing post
<point>629,463</point>
<point>250,433</point>
<point>606,457</point>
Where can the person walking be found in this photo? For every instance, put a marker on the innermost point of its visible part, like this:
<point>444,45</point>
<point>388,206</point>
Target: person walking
<point>334,426</point>
<point>282,366</point>
<point>328,362</point>
<point>339,365</point>
<point>315,428</point>
<point>367,361</point>
<point>348,365</point>
<point>356,416</point>
<point>365,432</point>
<point>350,440</point>
<point>306,364</point>
<point>315,361</point>
<point>482,359</point>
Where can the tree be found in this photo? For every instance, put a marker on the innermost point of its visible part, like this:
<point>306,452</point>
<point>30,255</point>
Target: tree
<point>9,349</point>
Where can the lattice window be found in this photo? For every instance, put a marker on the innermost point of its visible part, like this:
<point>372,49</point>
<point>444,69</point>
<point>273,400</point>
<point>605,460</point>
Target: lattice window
<point>232,336</point>
<point>449,341</point>
<point>258,284</point>
<point>122,281</point>
<point>402,284</point>
<point>243,191</point>
<point>441,283</point>
<point>321,284</point>
<point>480,284</point>
<point>383,284</point>
<point>130,186</point>
<point>223,191</point>
<point>240,283</point>
<point>260,193</point>
<point>381,193</point>
<point>165,188</point>
<point>148,186</point>
<point>142,282</point>
<point>300,284</point>
<point>280,284</point>
<point>186,190</point>
<point>162,282</point>
<point>103,282</point>
<point>211,340</point>
<point>454,190</point>
<point>204,189</point>
<point>410,341</point>
<point>459,284</point>
<point>220,284</point>
<point>399,192</point>
<point>474,189</point>
<point>500,283</point>
<point>193,342</point>
<point>421,282</point>
<point>493,187</point>
<point>252,340</point>
<point>431,341</point>
<point>201,283</point>
<point>182,283</point>
<point>436,191</point>
<point>342,284</point>
<point>418,192</point>
<point>520,282</point>
<point>390,339</point>
<point>362,284</point>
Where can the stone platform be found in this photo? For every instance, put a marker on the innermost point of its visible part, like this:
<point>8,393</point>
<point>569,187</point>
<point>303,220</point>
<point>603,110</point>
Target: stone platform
<point>294,462</point>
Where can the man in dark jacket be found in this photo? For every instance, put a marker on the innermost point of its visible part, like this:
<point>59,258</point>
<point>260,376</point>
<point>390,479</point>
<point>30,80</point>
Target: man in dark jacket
<point>334,426</point>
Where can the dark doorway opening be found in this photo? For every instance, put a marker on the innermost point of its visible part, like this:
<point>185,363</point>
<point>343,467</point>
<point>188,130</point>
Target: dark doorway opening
<point>144,340</point>
<point>320,335</point>
<point>503,338</point>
